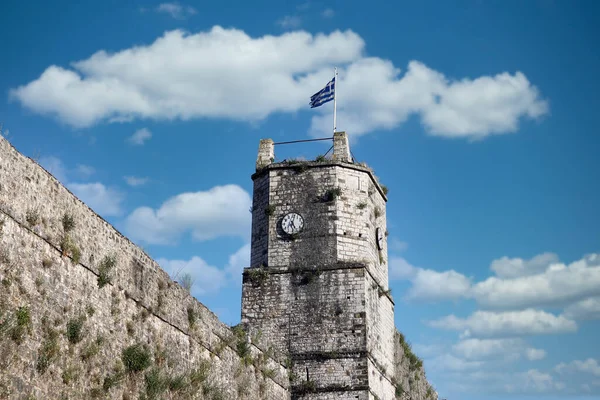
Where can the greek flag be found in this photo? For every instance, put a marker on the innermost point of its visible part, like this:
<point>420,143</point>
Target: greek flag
<point>324,95</point>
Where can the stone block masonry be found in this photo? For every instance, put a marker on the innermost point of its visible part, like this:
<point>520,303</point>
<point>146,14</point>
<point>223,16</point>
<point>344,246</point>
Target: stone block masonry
<point>82,309</point>
<point>321,295</point>
<point>84,313</point>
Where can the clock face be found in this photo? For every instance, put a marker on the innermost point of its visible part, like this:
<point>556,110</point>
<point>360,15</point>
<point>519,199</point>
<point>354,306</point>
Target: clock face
<point>292,223</point>
<point>379,238</point>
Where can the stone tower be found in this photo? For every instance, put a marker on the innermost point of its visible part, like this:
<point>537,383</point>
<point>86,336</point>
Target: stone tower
<point>317,286</point>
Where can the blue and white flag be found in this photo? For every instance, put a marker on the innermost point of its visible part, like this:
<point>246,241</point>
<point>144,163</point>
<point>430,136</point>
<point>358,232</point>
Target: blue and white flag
<point>324,95</point>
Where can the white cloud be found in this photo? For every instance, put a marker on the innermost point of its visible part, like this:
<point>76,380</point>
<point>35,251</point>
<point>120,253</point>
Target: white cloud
<point>427,350</point>
<point>535,354</point>
<point>55,167</point>
<point>103,200</point>
<point>589,366</point>
<point>429,285</point>
<point>85,171</point>
<point>135,181</point>
<point>220,211</point>
<point>400,269</point>
<point>584,310</point>
<point>206,279</point>
<point>489,379</point>
<point>432,285</point>
<point>237,262</point>
<point>328,13</point>
<point>559,284</point>
<point>506,267</point>
<point>397,245</point>
<point>540,382</point>
<point>140,136</point>
<point>176,10</point>
<point>477,349</point>
<point>289,22</point>
<point>452,363</point>
<point>169,79</point>
<point>509,349</point>
<point>509,323</point>
<point>375,97</point>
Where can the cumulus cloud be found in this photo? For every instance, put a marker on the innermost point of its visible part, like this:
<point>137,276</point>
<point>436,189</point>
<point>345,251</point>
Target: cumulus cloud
<point>448,362</point>
<point>584,310</point>
<point>519,284</point>
<point>289,22</point>
<point>250,78</point>
<point>206,279</point>
<point>176,10</point>
<point>397,245</point>
<point>509,349</point>
<point>237,262</point>
<point>84,171</point>
<point>55,167</point>
<point>100,198</point>
<point>140,136</point>
<point>537,381</point>
<point>376,97</point>
<point>535,354</point>
<point>220,211</point>
<point>509,323</point>
<point>476,349</point>
<point>506,267</point>
<point>328,13</point>
<point>429,285</point>
<point>502,382</point>
<point>135,181</point>
<point>433,285</point>
<point>589,366</point>
<point>559,284</point>
<point>104,200</point>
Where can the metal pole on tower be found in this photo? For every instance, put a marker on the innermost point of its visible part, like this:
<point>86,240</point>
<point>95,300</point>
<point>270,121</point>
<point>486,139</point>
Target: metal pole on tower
<point>335,85</point>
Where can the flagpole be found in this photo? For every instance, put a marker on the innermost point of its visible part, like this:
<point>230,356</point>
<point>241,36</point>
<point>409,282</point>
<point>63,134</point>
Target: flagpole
<point>335,100</point>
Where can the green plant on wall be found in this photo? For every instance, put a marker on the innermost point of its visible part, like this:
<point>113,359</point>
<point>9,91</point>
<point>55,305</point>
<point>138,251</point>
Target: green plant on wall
<point>136,357</point>
<point>48,351</point>
<point>331,194</point>
<point>269,210</point>
<point>105,270</point>
<point>16,325</point>
<point>68,222</point>
<point>32,216</point>
<point>74,331</point>
<point>258,276</point>
<point>69,248</point>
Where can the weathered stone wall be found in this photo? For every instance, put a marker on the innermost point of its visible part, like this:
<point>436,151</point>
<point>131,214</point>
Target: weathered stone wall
<point>65,320</point>
<point>67,313</point>
<point>311,295</point>
<point>409,378</point>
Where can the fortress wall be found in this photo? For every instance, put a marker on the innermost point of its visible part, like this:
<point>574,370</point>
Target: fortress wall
<point>47,291</point>
<point>410,379</point>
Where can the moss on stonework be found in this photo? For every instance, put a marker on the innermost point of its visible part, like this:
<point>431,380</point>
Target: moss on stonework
<point>258,276</point>
<point>415,362</point>
<point>105,270</point>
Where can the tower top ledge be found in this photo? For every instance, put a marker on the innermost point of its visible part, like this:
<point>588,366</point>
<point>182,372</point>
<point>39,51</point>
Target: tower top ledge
<point>341,158</point>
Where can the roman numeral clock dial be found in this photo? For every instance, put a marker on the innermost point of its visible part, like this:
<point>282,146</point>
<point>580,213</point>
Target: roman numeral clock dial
<point>292,223</point>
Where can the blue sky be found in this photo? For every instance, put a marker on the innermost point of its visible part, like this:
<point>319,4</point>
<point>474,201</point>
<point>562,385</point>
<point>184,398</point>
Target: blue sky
<point>477,115</point>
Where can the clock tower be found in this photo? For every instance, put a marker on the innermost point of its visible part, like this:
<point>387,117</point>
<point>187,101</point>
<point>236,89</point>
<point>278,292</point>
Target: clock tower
<point>316,290</point>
